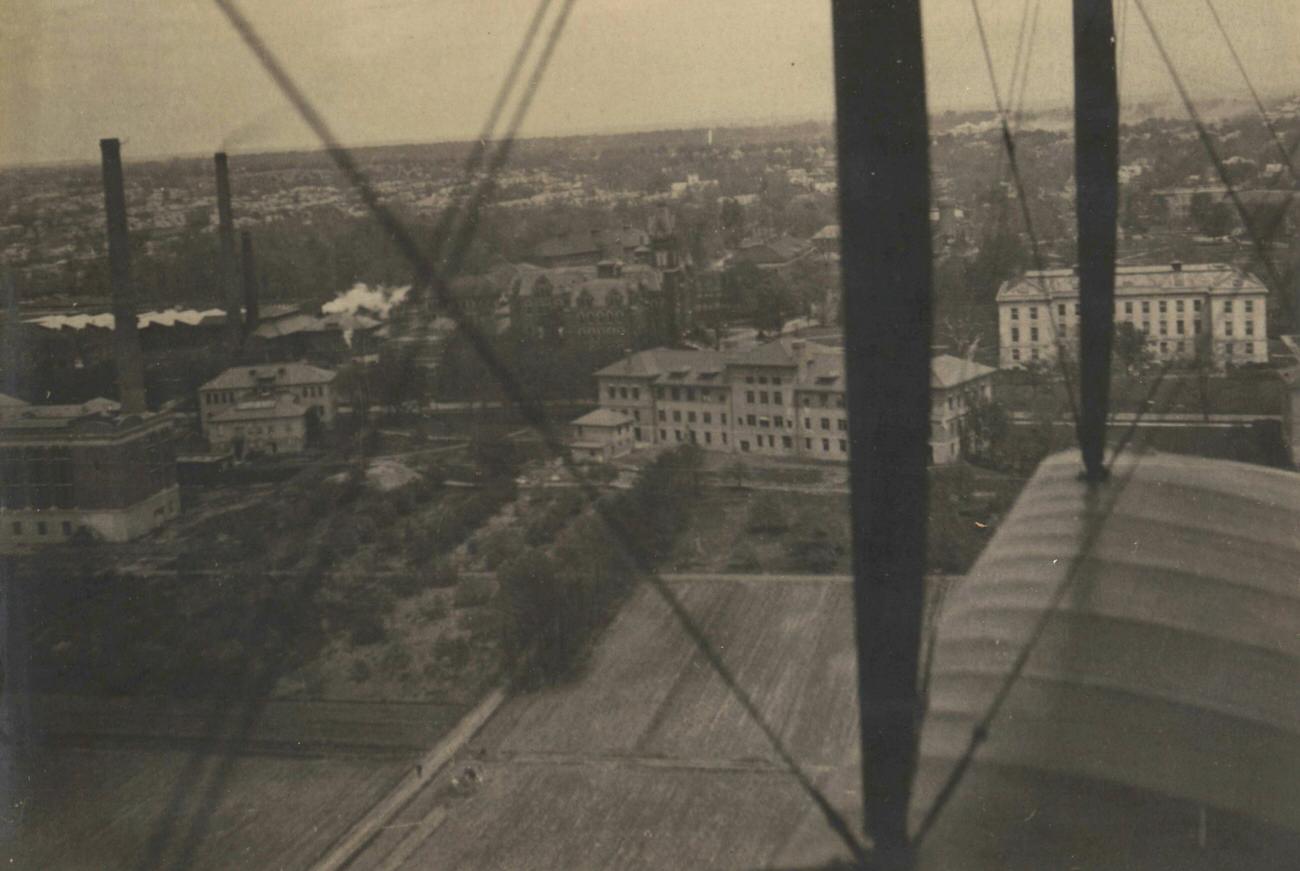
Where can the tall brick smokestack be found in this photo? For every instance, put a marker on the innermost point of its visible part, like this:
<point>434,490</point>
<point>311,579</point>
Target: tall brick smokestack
<point>227,269</point>
<point>249,281</point>
<point>126,339</point>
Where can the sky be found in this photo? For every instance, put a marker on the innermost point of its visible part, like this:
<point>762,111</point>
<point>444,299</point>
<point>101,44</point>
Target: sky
<point>172,77</point>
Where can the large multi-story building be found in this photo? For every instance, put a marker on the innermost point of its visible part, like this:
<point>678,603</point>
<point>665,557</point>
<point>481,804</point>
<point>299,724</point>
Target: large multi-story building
<point>1185,310</point>
<point>783,398</point>
<point>65,468</point>
<point>311,386</point>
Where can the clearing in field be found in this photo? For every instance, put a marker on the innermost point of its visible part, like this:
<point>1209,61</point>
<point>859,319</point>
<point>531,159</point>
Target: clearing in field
<point>649,761</point>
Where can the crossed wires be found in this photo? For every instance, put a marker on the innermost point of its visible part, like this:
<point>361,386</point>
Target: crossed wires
<point>1009,145</point>
<point>435,274</point>
<point>1100,502</point>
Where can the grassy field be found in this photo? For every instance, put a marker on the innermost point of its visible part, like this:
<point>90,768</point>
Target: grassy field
<point>743,530</point>
<point>649,761</point>
<point>1178,393</point>
<point>90,810</point>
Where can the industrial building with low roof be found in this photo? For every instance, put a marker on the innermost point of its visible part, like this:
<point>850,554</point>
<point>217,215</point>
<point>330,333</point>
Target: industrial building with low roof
<point>65,468</point>
<point>312,386</point>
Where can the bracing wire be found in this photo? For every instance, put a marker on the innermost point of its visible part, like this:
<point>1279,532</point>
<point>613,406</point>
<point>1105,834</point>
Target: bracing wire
<point>1259,104</point>
<point>1024,76</point>
<point>1008,142</point>
<point>1094,523</point>
<point>534,413</point>
<point>1261,245</point>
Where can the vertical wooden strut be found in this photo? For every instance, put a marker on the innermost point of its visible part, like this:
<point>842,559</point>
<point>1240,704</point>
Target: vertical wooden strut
<point>1096,161</point>
<point>884,183</point>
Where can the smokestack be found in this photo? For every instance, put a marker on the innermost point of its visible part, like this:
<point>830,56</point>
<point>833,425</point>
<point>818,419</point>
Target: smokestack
<point>250,281</point>
<point>227,269</point>
<point>126,339</point>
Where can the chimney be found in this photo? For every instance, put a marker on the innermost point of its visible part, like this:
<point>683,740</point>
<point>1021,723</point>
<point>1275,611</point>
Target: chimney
<point>250,281</point>
<point>1177,266</point>
<point>226,269</point>
<point>126,339</point>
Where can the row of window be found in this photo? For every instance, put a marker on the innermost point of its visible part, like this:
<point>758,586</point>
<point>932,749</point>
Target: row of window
<point>1229,350</point>
<point>788,443</point>
<point>763,397</point>
<point>690,416</point>
<point>622,392</point>
<point>1248,305</point>
<point>42,527</point>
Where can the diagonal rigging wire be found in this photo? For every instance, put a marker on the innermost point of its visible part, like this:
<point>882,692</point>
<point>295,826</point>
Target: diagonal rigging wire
<point>1259,104</point>
<point>1009,145</point>
<point>1101,503</point>
<point>1024,76</point>
<point>428,274</point>
<point>1243,213</point>
<point>249,683</point>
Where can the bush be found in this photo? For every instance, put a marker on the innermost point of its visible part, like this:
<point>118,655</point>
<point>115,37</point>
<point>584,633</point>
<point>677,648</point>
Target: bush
<point>435,609</point>
<point>453,648</point>
<point>359,671</point>
<point>500,545</point>
<point>473,591</point>
<point>766,516</point>
<point>743,559</point>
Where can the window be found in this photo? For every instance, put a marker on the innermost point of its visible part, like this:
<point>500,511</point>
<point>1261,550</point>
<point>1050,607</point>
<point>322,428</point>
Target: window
<point>663,415</point>
<point>1076,309</point>
<point>1196,305</point>
<point>42,528</point>
<point>659,393</point>
<point>677,417</point>
<point>636,392</point>
<point>1227,306</point>
<point>762,379</point>
<point>744,445</point>
<point>1249,348</point>
<point>1196,326</point>
<point>1250,305</point>
<point>676,394</point>
<point>842,425</point>
<point>67,527</point>
<point>826,423</point>
<point>1164,328</point>
<point>826,445</point>
<point>622,393</point>
<point>749,396</point>
<point>1015,313</point>
<point>1015,353</point>
<point>1227,349</point>
<point>1182,328</point>
<point>1164,306</point>
<point>690,394</point>
<point>807,423</point>
<point>787,442</point>
<point>776,397</point>
<point>690,417</point>
<point>663,435</point>
<point>776,381</point>
<point>1250,328</point>
<point>723,417</point>
<point>749,420</point>
<point>778,421</point>
<point>1146,307</point>
<point>807,443</point>
<point>1128,308</point>
<point>1033,312</point>
<point>708,438</point>
<point>1015,334</point>
<point>724,438</point>
<point>749,379</point>
<point>1033,334</point>
<point>612,393</point>
<point>708,417</point>
<point>843,445</point>
<point>1178,306</point>
<point>636,413</point>
<point>1227,328</point>
<point>1060,309</point>
<point>762,397</point>
<point>677,434</point>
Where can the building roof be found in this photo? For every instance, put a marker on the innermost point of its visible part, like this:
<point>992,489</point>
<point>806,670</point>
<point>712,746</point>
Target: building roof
<point>830,231</point>
<point>1167,678</point>
<point>949,371</point>
<point>278,407</point>
<point>278,374</point>
<point>589,242</point>
<point>97,416</point>
<point>1218,278</point>
<point>603,417</point>
<point>105,320</point>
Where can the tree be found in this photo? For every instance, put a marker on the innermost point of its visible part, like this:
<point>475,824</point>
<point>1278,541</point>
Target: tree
<point>985,429</point>
<point>766,516</point>
<point>1129,347</point>
<point>731,217</point>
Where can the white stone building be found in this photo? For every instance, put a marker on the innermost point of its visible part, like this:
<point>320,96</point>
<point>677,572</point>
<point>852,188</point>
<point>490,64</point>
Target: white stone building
<point>1182,308</point>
